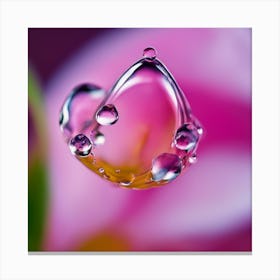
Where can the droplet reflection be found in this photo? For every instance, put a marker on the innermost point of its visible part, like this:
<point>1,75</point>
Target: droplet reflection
<point>166,167</point>
<point>107,115</point>
<point>80,145</point>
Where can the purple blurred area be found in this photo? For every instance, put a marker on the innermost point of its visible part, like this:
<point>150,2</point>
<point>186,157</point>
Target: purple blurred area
<point>208,208</point>
<point>49,48</point>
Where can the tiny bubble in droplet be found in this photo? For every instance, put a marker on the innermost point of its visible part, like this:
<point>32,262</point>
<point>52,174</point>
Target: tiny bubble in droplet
<point>149,53</point>
<point>107,115</point>
<point>97,138</point>
<point>193,159</point>
<point>80,145</point>
<point>101,170</point>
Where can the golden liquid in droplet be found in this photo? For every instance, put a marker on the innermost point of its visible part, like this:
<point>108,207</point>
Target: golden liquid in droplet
<point>121,177</point>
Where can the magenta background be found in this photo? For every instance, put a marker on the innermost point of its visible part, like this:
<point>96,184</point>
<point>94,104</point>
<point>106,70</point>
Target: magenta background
<point>208,208</point>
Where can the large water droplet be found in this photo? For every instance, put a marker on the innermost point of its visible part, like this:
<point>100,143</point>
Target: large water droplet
<point>76,115</point>
<point>138,119</point>
<point>80,145</point>
<point>107,115</point>
<point>149,53</point>
<point>166,167</point>
<point>186,137</point>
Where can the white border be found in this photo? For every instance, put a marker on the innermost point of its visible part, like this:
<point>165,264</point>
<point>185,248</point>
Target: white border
<point>17,16</point>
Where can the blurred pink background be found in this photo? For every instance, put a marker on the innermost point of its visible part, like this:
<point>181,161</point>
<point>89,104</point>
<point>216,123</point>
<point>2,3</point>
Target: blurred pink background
<point>208,207</point>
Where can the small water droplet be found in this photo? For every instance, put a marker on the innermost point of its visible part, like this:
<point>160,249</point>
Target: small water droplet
<point>166,167</point>
<point>101,170</point>
<point>80,145</point>
<point>117,171</point>
<point>149,53</point>
<point>97,138</point>
<point>107,115</point>
<point>193,159</point>
<point>186,138</point>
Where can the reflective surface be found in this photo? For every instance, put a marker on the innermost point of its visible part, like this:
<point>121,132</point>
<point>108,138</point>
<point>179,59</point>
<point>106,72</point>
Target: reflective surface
<point>147,148</point>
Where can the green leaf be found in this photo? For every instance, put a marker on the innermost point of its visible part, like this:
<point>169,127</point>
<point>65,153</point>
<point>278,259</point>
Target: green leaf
<point>37,169</point>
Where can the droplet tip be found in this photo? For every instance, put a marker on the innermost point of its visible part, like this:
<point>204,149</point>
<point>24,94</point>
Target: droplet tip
<point>149,53</point>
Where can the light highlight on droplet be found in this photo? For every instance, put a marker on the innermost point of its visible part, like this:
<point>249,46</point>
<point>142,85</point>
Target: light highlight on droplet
<point>97,138</point>
<point>193,159</point>
<point>200,130</point>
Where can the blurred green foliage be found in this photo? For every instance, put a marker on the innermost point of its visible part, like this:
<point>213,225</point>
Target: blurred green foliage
<point>37,168</point>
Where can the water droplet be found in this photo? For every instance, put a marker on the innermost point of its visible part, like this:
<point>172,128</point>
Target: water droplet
<point>80,145</point>
<point>186,137</point>
<point>151,107</point>
<point>149,53</point>
<point>166,167</point>
<point>76,114</point>
<point>193,159</point>
<point>107,115</point>
<point>101,170</point>
<point>97,138</point>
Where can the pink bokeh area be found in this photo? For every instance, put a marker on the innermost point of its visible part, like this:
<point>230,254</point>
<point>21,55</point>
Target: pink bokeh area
<point>208,207</point>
